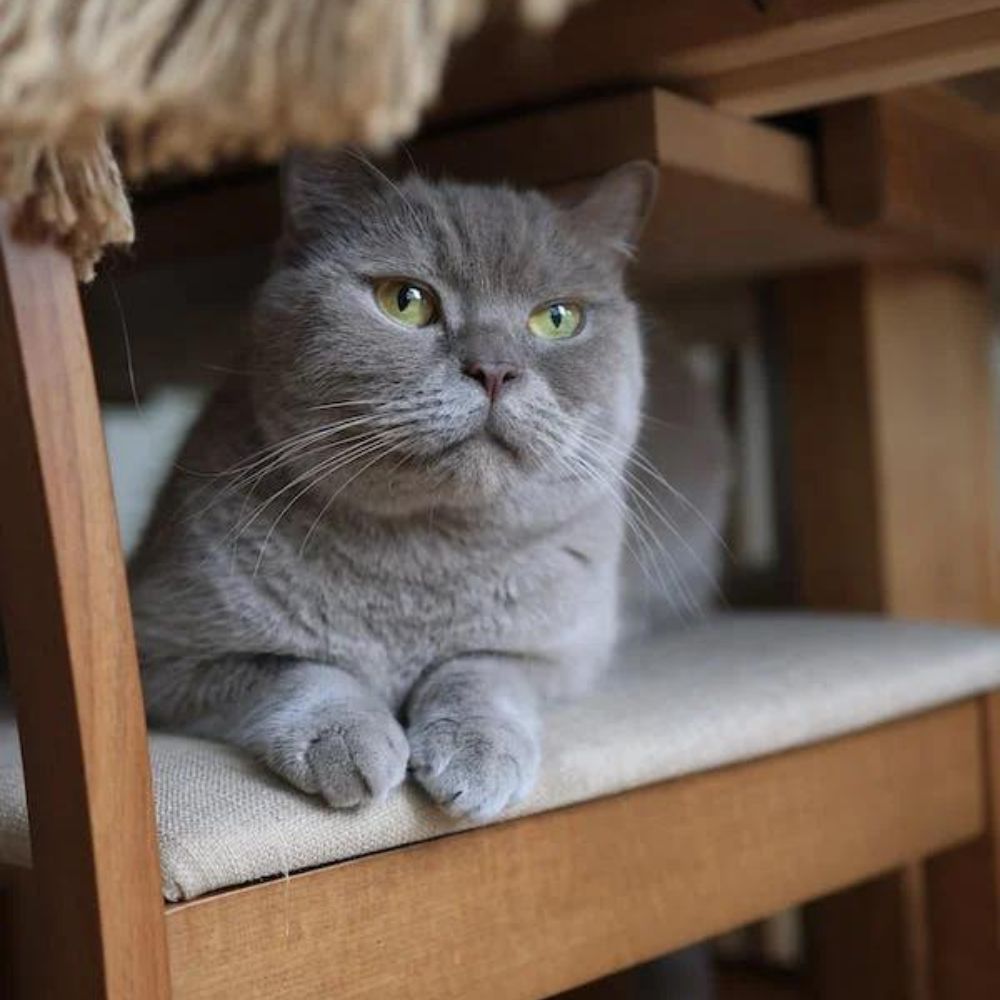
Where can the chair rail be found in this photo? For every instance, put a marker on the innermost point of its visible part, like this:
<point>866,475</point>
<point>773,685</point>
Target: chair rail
<point>71,651</point>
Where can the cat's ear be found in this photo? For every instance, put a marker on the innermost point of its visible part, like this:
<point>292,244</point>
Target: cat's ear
<point>323,189</point>
<point>615,208</point>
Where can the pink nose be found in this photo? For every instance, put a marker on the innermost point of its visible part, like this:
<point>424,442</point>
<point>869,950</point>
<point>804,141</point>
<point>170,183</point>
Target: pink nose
<point>493,378</point>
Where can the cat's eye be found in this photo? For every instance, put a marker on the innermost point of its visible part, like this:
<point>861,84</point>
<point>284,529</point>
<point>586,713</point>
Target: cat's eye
<point>407,302</point>
<point>556,320</point>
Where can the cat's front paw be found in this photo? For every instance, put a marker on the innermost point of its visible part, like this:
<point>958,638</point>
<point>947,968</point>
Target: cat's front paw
<point>350,754</point>
<point>476,766</point>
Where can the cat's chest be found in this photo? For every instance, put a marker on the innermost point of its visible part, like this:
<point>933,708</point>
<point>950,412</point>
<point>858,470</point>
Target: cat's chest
<point>416,601</point>
<point>401,594</point>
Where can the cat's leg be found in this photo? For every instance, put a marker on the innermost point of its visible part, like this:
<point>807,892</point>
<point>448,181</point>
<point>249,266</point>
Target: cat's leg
<point>474,735</point>
<point>317,726</point>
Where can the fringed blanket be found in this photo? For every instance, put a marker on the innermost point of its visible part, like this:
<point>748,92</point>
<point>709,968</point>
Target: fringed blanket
<point>185,83</point>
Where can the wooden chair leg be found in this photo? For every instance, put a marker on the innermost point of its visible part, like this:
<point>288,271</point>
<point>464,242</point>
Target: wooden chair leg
<point>963,921</point>
<point>870,941</point>
<point>963,893</point>
<point>70,648</point>
<point>892,439</point>
<point>22,944</point>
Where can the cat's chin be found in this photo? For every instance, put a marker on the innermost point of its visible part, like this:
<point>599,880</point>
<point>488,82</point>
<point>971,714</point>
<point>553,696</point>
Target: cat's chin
<point>473,471</point>
<point>479,471</point>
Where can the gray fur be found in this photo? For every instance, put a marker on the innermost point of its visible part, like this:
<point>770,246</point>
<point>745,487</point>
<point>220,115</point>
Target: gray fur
<point>459,572</point>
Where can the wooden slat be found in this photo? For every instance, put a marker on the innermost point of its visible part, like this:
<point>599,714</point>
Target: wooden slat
<point>931,343</point>
<point>923,164</point>
<point>911,176</point>
<point>892,439</point>
<point>70,651</point>
<point>526,908</point>
<point>737,198</point>
<point>752,59</point>
<point>924,53</point>
<point>838,546</point>
<point>789,28</point>
<point>673,131</point>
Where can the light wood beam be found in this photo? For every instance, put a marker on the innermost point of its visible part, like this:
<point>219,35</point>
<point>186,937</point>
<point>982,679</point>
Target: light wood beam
<point>891,421</point>
<point>746,58</point>
<point>71,654</point>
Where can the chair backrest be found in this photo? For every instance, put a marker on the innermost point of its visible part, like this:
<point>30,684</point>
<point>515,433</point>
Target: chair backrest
<point>71,654</point>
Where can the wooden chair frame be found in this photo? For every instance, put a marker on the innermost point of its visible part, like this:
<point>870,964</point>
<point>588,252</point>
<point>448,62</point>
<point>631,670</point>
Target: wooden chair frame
<point>522,909</point>
<point>909,810</point>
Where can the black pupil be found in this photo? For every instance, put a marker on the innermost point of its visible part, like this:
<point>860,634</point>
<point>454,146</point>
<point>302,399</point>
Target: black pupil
<point>556,315</point>
<point>407,295</point>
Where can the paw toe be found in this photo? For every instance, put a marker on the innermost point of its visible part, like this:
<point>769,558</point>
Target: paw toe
<point>477,768</point>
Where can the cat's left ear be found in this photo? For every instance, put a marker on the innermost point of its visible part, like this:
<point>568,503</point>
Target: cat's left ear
<point>616,208</point>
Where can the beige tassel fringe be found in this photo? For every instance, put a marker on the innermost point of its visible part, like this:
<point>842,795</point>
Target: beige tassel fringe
<point>186,83</point>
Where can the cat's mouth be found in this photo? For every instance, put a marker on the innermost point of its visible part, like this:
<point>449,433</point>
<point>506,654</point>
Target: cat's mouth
<point>485,436</point>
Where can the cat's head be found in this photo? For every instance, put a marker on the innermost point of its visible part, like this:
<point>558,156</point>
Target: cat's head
<point>450,345</point>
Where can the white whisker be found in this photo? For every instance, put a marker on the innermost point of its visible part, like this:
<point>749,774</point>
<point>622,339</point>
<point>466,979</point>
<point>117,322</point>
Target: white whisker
<point>329,464</point>
<point>329,502</point>
<point>645,497</point>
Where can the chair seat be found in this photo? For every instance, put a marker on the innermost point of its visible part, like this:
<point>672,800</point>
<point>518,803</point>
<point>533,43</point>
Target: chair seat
<point>726,690</point>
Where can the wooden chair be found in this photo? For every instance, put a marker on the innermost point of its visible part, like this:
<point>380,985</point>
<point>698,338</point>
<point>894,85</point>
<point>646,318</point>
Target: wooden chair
<point>891,447</point>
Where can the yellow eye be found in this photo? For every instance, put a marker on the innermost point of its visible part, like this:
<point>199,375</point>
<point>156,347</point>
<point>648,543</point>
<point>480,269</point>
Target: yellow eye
<point>556,321</point>
<point>406,301</point>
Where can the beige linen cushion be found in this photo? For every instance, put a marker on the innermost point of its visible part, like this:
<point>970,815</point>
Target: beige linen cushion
<point>725,690</point>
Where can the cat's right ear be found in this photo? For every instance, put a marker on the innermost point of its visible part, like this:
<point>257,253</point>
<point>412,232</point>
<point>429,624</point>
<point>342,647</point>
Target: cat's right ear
<point>614,210</point>
<point>323,189</point>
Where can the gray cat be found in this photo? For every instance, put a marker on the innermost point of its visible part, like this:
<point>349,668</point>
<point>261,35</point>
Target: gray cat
<point>400,530</point>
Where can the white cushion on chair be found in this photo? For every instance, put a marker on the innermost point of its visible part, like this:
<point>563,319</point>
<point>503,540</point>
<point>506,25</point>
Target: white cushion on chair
<point>723,691</point>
